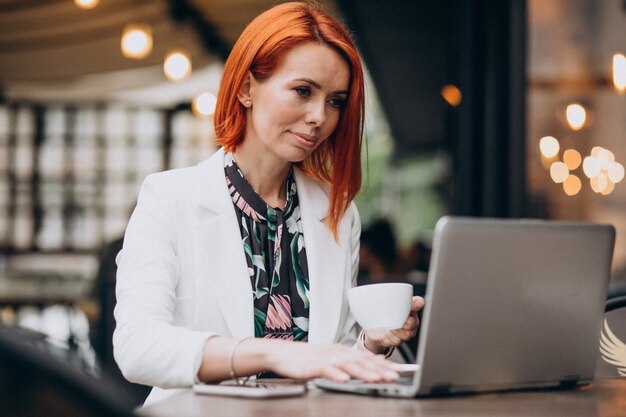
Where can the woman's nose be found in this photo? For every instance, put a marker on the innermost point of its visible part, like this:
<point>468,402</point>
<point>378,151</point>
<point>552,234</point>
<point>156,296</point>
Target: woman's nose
<point>316,113</point>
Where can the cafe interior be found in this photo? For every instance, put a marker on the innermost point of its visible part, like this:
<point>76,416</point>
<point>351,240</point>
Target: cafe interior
<point>487,108</point>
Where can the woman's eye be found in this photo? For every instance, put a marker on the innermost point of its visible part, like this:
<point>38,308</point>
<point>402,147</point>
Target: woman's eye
<point>338,103</point>
<point>303,91</point>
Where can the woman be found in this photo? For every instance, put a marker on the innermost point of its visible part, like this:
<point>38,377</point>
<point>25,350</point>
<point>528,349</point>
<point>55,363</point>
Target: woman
<point>229,266</point>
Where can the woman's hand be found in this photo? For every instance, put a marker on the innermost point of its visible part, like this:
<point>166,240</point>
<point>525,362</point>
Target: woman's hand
<point>337,362</point>
<point>378,341</point>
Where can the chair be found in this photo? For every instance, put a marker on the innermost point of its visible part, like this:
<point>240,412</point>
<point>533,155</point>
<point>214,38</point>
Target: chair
<point>35,382</point>
<point>102,333</point>
<point>612,358</point>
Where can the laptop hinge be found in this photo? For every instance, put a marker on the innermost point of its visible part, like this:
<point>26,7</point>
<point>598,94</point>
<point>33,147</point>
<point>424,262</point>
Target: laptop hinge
<point>569,381</point>
<point>441,389</point>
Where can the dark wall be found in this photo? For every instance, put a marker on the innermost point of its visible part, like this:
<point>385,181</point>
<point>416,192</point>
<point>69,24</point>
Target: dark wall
<point>407,47</point>
<point>412,49</point>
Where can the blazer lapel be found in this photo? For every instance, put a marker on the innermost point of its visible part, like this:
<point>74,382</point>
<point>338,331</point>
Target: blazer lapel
<point>327,261</point>
<point>220,257</point>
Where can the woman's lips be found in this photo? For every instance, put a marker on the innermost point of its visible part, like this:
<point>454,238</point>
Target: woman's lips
<point>308,141</point>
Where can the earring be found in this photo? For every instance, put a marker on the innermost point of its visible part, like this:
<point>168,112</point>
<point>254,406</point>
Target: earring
<point>247,103</point>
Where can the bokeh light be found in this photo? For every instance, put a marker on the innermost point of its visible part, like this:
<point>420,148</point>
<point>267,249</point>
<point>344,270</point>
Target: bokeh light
<point>177,66</point>
<point>599,183</point>
<point>136,41</point>
<point>451,94</point>
<point>619,73</point>
<point>549,146</point>
<point>86,4</point>
<point>204,104</point>
<point>576,116</point>
<point>559,172</point>
<point>572,185</point>
<point>608,189</point>
<point>615,172</point>
<point>572,158</point>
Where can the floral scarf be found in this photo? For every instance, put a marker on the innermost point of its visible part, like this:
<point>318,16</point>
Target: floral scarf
<point>274,247</point>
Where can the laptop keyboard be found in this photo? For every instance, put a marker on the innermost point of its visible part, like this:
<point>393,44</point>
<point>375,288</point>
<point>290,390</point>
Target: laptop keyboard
<point>403,380</point>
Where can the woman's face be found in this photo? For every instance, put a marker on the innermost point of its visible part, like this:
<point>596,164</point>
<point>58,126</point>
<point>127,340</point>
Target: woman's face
<point>298,107</point>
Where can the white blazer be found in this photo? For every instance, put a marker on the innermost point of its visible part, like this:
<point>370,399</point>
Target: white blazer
<point>183,277</point>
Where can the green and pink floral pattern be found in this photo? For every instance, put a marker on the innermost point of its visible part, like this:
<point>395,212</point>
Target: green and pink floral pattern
<point>274,246</point>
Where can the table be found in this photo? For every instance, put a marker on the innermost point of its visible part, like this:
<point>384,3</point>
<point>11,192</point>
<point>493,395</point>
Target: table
<point>603,398</point>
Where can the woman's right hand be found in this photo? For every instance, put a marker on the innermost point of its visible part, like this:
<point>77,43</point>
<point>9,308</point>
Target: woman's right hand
<point>301,360</point>
<point>297,360</point>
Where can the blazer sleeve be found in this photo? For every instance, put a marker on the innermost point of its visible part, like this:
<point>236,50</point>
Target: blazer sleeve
<point>350,329</point>
<point>148,347</point>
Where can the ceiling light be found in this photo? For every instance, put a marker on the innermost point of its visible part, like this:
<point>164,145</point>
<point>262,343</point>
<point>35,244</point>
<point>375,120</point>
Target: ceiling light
<point>177,66</point>
<point>86,4</point>
<point>136,41</point>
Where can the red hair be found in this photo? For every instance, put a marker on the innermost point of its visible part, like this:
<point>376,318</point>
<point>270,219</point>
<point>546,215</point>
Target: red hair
<point>337,161</point>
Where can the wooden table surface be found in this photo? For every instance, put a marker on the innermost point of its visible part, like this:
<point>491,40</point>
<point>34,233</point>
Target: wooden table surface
<point>603,398</point>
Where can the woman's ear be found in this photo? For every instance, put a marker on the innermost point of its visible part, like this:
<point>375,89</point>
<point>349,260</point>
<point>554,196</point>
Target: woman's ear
<point>244,95</point>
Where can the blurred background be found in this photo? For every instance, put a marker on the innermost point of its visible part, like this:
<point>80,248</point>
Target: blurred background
<point>483,108</point>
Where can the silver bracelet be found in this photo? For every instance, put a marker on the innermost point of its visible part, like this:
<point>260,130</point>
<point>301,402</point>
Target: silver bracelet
<point>231,357</point>
<point>361,342</point>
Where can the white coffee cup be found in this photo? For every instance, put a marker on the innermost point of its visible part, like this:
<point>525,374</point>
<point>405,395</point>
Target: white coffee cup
<point>381,306</point>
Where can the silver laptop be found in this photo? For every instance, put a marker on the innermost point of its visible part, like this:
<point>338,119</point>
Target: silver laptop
<point>510,304</point>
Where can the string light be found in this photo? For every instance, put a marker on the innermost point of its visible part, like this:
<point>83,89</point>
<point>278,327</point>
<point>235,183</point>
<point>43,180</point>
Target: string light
<point>576,116</point>
<point>572,159</point>
<point>603,171</point>
<point>549,146</point>
<point>203,104</point>
<point>572,185</point>
<point>451,94</point>
<point>619,73</point>
<point>615,172</point>
<point>605,157</point>
<point>591,166</point>
<point>559,172</point>
<point>86,4</point>
<point>600,167</point>
<point>177,66</point>
<point>610,186</point>
<point>599,183</point>
<point>136,41</point>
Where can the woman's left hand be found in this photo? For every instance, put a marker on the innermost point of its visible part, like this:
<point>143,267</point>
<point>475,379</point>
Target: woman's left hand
<point>378,341</point>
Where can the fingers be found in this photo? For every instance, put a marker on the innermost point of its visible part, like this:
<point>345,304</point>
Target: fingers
<point>411,323</point>
<point>417,303</point>
<point>388,338</point>
<point>403,335</point>
<point>397,336</point>
<point>334,372</point>
<point>336,362</point>
<point>394,337</point>
<point>361,365</point>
